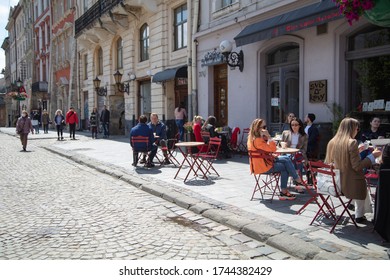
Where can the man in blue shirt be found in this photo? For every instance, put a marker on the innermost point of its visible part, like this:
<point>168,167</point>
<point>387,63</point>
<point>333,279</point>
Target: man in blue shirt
<point>142,129</point>
<point>160,134</point>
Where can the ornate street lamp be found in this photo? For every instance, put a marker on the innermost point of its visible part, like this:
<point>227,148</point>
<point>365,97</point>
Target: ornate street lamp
<point>102,91</point>
<point>233,59</point>
<point>125,87</point>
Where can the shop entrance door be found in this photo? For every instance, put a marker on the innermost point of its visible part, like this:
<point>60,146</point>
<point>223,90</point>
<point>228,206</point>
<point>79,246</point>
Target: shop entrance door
<point>221,94</point>
<point>282,95</point>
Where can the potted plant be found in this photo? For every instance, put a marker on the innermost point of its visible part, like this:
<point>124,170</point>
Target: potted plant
<point>354,9</point>
<point>188,135</point>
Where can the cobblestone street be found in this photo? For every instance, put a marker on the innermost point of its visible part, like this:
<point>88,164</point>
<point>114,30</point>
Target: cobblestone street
<point>54,208</point>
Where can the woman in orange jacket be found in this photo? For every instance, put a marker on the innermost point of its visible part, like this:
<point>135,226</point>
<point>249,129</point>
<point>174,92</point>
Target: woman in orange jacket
<point>260,139</point>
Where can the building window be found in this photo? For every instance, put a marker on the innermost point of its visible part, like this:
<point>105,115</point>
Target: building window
<point>85,67</point>
<point>369,59</point>
<point>144,42</point>
<point>180,25</point>
<point>119,54</point>
<point>100,62</point>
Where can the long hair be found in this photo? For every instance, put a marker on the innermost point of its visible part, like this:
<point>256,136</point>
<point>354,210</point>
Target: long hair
<point>181,106</point>
<point>255,128</point>
<point>337,149</point>
<point>210,120</point>
<point>301,130</point>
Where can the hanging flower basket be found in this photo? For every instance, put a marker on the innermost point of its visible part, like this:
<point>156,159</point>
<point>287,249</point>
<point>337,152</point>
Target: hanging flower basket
<point>17,95</point>
<point>354,9</point>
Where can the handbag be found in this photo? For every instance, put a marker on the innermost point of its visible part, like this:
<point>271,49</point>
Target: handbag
<point>325,183</point>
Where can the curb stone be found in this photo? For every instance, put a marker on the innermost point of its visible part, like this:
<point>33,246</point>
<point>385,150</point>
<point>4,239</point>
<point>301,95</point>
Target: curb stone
<point>260,228</point>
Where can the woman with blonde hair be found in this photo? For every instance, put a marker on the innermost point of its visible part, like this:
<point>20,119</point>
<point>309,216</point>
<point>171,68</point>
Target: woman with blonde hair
<point>342,151</point>
<point>260,139</point>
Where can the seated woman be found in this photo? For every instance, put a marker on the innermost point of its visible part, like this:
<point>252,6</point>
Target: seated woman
<point>209,126</point>
<point>286,125</point>
<point>197,128</point>
<point>342,151</point>
<point>260,139</point>
<point>296,138</point>
<point>375,132</point>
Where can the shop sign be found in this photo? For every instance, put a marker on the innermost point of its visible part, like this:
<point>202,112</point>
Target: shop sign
<point>318,91</point>
<point>212,58</point>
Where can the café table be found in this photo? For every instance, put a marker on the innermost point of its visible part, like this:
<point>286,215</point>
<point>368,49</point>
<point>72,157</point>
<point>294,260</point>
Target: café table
<point>286,150</point>
<point>186,149</point>
<point>380,142</point>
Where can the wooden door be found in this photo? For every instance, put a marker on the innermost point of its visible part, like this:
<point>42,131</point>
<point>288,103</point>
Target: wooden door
<point>221,94</point>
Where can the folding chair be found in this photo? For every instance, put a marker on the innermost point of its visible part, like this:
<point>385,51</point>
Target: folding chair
<point>140,145</point>
<point>170,149</point>
<point>372,182</point>
<point>204,160</point>
<point>233,145</point>
<point>242,146</point>
<point>270,180</point>
<point>318,167</point>
<point>205,135</point>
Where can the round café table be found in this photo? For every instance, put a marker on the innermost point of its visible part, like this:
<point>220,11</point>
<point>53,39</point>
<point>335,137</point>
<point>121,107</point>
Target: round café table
<point>187,157</point>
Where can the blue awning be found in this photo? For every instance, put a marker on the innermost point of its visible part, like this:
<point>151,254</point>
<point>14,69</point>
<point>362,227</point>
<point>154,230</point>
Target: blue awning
<point>302,18</point>
<point>170,74</point>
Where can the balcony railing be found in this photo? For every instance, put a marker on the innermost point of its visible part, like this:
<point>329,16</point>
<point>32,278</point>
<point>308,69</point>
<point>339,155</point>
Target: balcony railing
<point>95,12</point>
<point>39,87</point>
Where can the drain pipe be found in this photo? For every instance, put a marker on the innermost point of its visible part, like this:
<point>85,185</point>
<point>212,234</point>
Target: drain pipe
<point>194,58</point>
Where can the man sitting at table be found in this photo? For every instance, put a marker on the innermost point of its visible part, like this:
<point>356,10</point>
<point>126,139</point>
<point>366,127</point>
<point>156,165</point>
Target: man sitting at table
<point>160,137</point>
<point>142,129</point>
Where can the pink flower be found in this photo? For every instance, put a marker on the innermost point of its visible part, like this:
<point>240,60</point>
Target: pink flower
<point>354,9</point>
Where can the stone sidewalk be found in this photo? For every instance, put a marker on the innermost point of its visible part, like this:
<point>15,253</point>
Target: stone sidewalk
<point>225,199</point>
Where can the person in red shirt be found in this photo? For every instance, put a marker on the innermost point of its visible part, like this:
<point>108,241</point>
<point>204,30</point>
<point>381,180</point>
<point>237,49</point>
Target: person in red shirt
<point>72,119</point>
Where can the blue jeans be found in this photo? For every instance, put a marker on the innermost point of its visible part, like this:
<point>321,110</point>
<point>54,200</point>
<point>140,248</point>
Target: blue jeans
<point>180,126</point>
<point>105,128</point>
<point>285,166</point>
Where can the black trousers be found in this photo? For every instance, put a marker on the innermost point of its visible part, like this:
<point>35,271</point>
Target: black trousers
<point>72,130</point>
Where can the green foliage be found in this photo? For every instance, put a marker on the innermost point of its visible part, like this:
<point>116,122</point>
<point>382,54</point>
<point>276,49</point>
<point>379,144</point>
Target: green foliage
<point>338,115</point>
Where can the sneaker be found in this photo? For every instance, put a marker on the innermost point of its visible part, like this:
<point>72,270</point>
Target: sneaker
<point>62,138</point>
<point>166,161</point>
<point>286,196</point>
<point>361,220</point>
<point>143,160</point>
<point>58,138</point>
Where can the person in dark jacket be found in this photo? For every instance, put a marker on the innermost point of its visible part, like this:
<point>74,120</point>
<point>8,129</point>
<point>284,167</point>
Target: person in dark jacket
<point>141,129</point>
<point>313,137</point>
<point>94,122</point>
<point>105,119</point>
<point>59,121</point>
<point>23,128</point>
<point>45,121</point>
<point>159,135</point>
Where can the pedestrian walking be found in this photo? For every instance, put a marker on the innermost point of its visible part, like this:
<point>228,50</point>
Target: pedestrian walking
<point>23,128</point>
<point>45,120</point>
<point>35,121</point>
<point>59,120</point>
<point>94,122</point>
<point>72,119</point>
<point>105,119</point>
<point>180,116</point>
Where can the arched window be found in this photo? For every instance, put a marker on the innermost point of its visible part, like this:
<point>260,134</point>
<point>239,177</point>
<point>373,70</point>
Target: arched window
<point>99,62</point>
<point>119,54</point>
<point>144,42</point>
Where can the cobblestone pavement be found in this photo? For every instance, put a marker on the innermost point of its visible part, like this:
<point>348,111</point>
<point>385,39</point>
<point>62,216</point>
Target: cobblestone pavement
<point>54,208</point>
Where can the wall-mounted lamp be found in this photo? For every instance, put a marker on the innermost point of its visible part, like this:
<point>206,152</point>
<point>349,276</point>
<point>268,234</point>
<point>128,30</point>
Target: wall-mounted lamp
<point>149,73</point>
<point>125,87</point>
<point>102,91</point>
<point>233,59</point>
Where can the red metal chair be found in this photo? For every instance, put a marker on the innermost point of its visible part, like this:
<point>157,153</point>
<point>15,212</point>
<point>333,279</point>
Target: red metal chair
<point>270,181</point>
<point>140,145</point>
<point>242,146</point>
<point>328,206</point>
<point>204,160</point>
<point>170,150</point>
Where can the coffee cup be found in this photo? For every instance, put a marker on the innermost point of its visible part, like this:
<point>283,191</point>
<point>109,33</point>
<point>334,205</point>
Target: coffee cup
<point>283,145</point>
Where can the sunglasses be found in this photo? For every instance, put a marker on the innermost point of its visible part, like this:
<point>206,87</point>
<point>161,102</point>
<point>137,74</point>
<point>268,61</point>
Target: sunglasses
<point>264,127</point>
